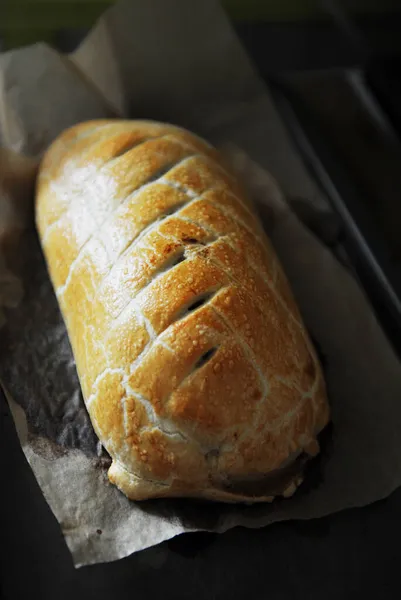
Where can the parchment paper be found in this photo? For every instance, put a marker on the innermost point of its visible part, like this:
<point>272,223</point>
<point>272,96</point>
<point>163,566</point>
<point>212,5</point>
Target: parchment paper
<point>180,61</point>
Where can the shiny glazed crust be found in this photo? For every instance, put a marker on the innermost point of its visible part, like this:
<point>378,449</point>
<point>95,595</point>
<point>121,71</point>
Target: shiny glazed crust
<point>197,372</point>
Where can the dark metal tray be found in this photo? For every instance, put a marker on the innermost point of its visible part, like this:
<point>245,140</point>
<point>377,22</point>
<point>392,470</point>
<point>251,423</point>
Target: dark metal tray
<point>374,251</point>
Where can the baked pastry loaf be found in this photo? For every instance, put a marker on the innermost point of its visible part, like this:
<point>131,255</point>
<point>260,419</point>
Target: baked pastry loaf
<point>197,372</point>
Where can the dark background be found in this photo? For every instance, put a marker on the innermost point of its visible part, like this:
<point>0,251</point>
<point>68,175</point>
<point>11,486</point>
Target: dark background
<point>353,554</point>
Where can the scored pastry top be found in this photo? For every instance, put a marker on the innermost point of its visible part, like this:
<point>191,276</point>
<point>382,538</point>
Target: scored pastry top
<point>196,369</point>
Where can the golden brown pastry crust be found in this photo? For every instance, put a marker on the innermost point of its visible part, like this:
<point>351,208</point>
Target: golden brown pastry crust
<point>196,369</point>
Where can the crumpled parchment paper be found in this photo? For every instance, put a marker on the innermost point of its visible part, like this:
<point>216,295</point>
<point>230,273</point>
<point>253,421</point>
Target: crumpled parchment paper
<point>181,61</point>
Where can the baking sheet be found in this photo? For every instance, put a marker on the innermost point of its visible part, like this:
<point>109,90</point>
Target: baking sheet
<point>181,62</point>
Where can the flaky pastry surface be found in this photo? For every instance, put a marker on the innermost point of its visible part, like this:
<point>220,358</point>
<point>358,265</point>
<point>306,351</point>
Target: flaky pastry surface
<point>196,369</point>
